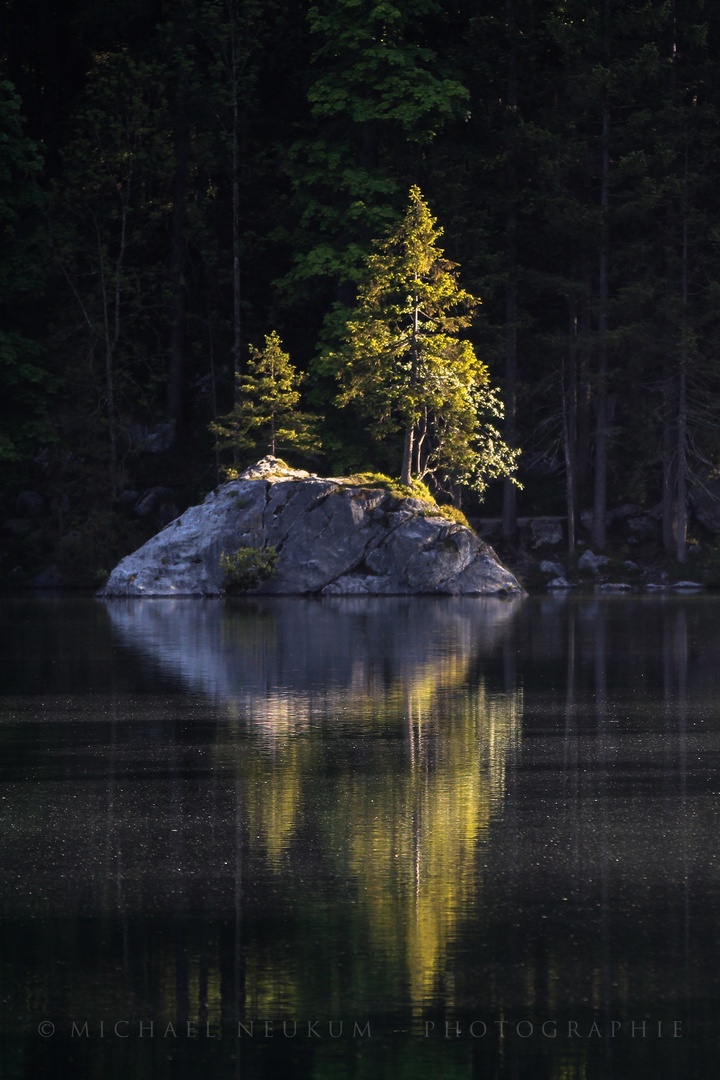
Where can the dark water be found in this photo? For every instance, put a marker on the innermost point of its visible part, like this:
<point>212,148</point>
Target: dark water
<point>355,839</point>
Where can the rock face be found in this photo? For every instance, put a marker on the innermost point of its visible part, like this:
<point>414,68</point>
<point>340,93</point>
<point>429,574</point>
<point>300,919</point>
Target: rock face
<point>545,533</point>
<point>332,537</point>
<point>588,561</point>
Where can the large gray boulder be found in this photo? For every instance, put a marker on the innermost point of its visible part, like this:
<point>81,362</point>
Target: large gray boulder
<point>332,537</point>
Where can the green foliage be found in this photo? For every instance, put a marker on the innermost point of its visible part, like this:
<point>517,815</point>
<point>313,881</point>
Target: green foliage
<point>414,490</point>
<point>379,88</point>
<point>406,368</point>
<point>376,71</point>
<point>247,567</point>
<point>452,513</point>
<point>265,417</point>
<point>190,165</point>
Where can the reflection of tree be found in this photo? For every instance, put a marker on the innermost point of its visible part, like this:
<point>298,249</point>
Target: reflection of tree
<point>412,834</point>
<point>403,826</point>
<point>329,706</point>
<point>273,781</point>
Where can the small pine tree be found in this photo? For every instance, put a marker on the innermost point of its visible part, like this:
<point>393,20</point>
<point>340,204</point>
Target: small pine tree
<point>265,418</point>
<point>405,365</point>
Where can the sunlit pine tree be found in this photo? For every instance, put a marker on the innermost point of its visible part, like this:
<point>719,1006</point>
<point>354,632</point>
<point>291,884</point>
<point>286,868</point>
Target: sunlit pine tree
<point>408,369</point>
<point>265,418</point>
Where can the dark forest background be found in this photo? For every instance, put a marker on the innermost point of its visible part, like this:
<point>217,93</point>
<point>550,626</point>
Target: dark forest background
<point>179,179</point>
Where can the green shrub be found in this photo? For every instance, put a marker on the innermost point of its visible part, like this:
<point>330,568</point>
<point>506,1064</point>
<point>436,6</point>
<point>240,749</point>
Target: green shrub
<point>247,567</point>
<point>453,514</point>
<point>417,489</point>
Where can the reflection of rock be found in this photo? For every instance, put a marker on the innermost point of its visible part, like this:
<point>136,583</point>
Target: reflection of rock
<point>331,535</point>
<point>255,653</point>
<point>394,665</point>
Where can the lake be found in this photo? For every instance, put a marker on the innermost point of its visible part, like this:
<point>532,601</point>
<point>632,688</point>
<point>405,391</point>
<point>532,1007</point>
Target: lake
<point>355,839</point>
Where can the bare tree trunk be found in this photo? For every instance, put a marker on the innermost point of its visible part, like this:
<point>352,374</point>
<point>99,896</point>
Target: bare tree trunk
<point>406,472</point>
<point>570,425</point>
<point>584,398</point>
<point>176,348</point>
<point>682,513</point>
<point>599,537</point>
<point>509,516</point>
<point>420,438</point>
<point>669,465</point>
<point>111,321</point>
<point>110,341</point>
<point>670,437</point>
<point>213,397</point>
<point>408,448</point>
<point>509,523</point>
<point>235,90</point>
<point>669,407</point>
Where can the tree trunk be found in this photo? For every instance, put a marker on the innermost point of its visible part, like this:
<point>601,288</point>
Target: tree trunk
<point>509,515</point>
<point>409,446</point>
<point>599,537</point>
<point>670,436</point>
<point>237,310</point>
<point>682,513</point>
<point>406,472</point>
<point>669,465</point>
<point>176,350</point>
<point>570,426</point>
<point>509,522</point>
<point>111,324</point>
<point>584,399</point>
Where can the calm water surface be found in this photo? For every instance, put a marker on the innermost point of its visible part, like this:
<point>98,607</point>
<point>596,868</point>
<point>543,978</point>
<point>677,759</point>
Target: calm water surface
<point>356,839</point>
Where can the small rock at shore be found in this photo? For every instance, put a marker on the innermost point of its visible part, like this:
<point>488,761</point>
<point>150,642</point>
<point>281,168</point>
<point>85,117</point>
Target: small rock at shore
<point>559,583</point>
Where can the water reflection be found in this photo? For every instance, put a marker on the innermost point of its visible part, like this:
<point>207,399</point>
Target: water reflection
<point>403,827</point>
<point>313,648</point>
<point>403,811</point>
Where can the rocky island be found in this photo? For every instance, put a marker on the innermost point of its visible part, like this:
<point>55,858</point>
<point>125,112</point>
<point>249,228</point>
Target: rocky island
<point>332,536</point>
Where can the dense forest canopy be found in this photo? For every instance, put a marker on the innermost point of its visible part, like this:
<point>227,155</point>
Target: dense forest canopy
<point>180,181</point>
